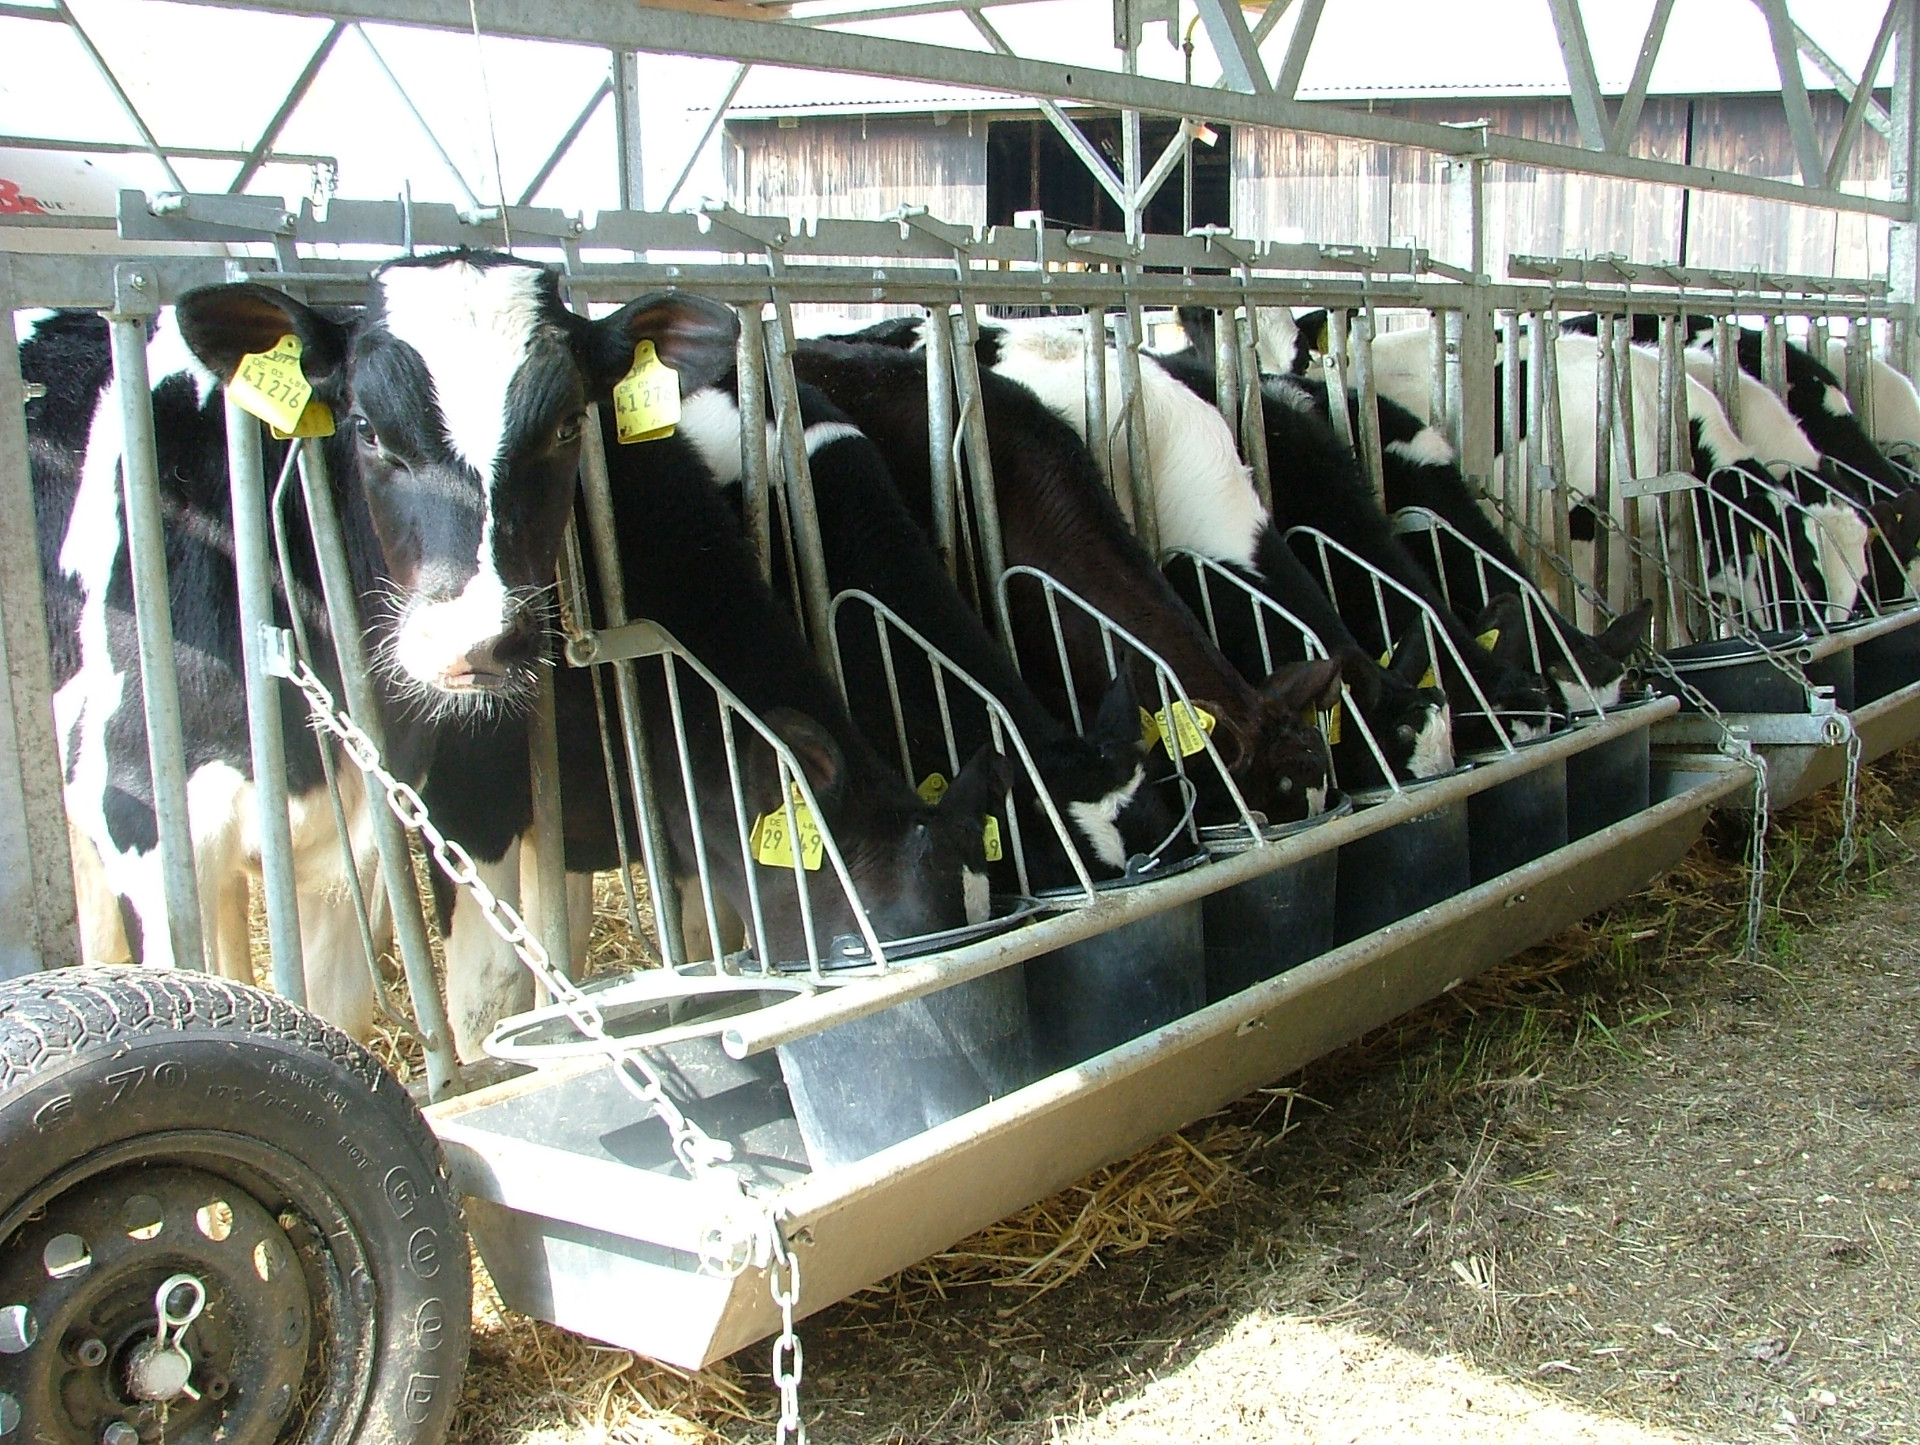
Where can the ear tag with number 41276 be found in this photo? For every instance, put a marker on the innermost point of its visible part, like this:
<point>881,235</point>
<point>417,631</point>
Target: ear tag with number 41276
<point>646,401</point>
<point>271,386</point>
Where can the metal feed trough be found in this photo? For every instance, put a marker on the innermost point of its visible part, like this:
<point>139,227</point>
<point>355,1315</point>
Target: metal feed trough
<point>686,1143</point>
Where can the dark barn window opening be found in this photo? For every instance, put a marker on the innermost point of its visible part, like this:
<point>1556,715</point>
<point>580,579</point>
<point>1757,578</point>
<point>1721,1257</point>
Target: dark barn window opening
<point>1031,168</point>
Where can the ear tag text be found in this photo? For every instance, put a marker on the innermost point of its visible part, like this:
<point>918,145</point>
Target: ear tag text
<point>271,386</point>
<point>646,401</point>
<point>1186,724</point>
<point>990,839</point>
<point>773,846</point>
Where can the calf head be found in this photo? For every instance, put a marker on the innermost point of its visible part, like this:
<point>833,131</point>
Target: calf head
<point>1895,554</point>
<point>1411,723</point>
<point>1099,783</point>
<point>918,868</point>
<point>1526,704</point>
<point>1603,657</point>
<point>459,397</point>
<point>1280,761</point>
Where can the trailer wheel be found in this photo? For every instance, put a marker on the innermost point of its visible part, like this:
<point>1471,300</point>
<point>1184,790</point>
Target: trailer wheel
<point>175,1142</point>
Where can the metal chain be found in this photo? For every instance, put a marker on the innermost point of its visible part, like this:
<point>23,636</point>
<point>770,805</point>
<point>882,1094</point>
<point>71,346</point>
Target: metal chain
<point>1850,802</point>
<point>783,1279</point>
<point>1757,869</point>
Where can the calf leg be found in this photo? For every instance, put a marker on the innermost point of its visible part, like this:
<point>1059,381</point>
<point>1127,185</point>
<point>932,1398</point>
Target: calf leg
<point>485,979</point>
<point>103,933</point>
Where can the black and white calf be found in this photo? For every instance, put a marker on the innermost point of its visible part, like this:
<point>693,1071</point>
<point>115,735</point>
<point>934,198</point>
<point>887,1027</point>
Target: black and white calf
<point>458,396</point>
<point>1057,516</point>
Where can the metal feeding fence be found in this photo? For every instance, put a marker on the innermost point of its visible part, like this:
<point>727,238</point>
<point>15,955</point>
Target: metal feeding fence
<point>687,1140</point>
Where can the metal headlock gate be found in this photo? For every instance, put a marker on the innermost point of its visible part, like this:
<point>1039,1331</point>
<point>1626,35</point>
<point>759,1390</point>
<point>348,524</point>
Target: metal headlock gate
<point>672,1202</point>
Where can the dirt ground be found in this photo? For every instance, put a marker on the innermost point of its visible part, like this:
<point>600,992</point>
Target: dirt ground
<point>1625,1189</point>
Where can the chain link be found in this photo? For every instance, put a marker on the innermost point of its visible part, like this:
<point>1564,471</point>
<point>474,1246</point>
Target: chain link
<point>783,1280</point>
<point>1850,802</point>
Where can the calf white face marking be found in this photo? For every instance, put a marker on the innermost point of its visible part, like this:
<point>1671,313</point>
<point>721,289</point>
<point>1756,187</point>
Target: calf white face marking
<point>1839,536</point>
<point>472,327</point>
<point>1433,745</point>
<point>710,419</point>
<point>1428,448</point>
<point>1316,801</point>
<point>1276,336</point>
<point>979,900</point>
<point>1835,401</point>
<point>1097,820</point>
<point>28,322</point>
<point>1583,699</point>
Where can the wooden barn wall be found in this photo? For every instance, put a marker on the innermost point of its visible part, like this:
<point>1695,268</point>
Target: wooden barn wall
<point>1289,186</point>
<point>859,168</point>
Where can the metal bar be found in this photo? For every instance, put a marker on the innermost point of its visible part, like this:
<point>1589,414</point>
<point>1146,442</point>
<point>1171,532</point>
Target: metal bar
<point>1274,13</point>
<point>1845,84</point>
<point>298,92</point>
<point>1903,244</point>
<point>713,124</point>
<point>1627,119</point>
<point>1371,459</point>
<point>363,703</point>
<point>547,838</point>
<point>1093,362</point>
<point>419,120</point>
<point>1234,46</point>
<point>126,148</point>
<point>1075,138</point>
<point>1553,430</point>
<point>119,93</point>
<point>803,511</point>
<point>1513,477</point>
<point>1861,101</point>
<point>1253,408</point>
<point>681,32</point>
<point>1588,108</point>
<point>34,12</point>
<point>973,429</point>
<point>38,927</point>
<point>1294,63</point>
<point>1171,156</point>
<point>596,496</point>
<point>750,378</point>
<point>1793,90</point>
<point>625,79</point>
<point>1133,402</point>
<point>1441,373</point>
<point>565,144</point>
<point>1226,366</point>
<point>247,496</point>
<point>1337,377</point>
<point>159,685</point>
<point>1603,412</point>
<point>937,341</point>
<point>1859,377</point>
<point>1773,354</point>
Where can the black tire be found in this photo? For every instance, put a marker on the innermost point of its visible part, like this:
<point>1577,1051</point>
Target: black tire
<point>142,1091</point>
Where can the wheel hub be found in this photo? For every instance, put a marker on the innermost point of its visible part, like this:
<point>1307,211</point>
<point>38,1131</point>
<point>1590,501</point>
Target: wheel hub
<point>165,1301</point>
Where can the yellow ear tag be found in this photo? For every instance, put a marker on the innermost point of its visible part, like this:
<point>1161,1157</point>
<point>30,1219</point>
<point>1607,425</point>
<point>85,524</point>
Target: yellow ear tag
<point>990,839</point>
<point>271,386</point>
<point>1185,723</point>
<point>1333,724</point>
<point>1489,639</point>
<point>646,401</point>
<point>1427,678</point>
<point>1149,731</point>
<point>773,846</point>
<point>933,787</point>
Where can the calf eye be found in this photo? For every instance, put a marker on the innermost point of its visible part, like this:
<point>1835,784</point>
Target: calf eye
<point>363,429</point>
<point>569,431</point>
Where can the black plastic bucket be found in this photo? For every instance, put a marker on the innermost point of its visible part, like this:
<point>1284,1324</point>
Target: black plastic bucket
<point>861,1086</point>
<point>1608,782</point>
<point>1736,676</point>
<point>1097,994</point>
<point>1400,870</point>
<point>1512,823</point>
<point>1259,929</point>
<point>1887,663</point>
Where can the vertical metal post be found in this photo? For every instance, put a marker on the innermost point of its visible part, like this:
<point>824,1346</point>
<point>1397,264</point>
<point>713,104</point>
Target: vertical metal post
<point>1859,377</point>
<point>38,928</point>
<point>547,838</point>
<point>1133,400</point>
<point>1904,239</point>
<point>1472,403</point>
<point>626,129</point>
<point>1513,480</point>
<point>1093,358</point>
<point>1371,460</point>
<point>1448,387</point>
<point>1670,446</point>
<point>803,512</point>
<point>936,337</point>
<point>1773,355</point>
<point>986,503</point>
<point>1226,365</point>
<point>252,563</point>
<point>1603,412</point>
<point>1253,407</point>
<point>1554,436</point>
<point>1438,369</point>
<point>147,555</point>
<point>1819,333</point>
<point>1337,376</point>
<point>1726,368</point>
<point>596,493</point>
<point>750,374</point>
<point>396,861</point>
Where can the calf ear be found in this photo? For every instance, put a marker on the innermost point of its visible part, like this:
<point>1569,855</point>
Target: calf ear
<point>980,788</point>
<point>1411,656</point>
<point>1505,617</point>
<point>221,324</point>
<point>1627,633</point>
<point>691,334</point>
<point>1299,687</point>
<point>1119,717</point>
<point>814,749</point>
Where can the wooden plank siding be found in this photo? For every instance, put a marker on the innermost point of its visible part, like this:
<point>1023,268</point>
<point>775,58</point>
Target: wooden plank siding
<point>1289,186</point>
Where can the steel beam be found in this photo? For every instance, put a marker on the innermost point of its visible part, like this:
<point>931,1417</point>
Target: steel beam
<point>1793,91</point>
<point>626,128</point>
<point>257,157</point>
<point>133,148</point>
<point>1588,108</point>
<point>1234,46</point>
<point>719,114</point>
<point>119,93</point>
<point>419,120</point>
<point>1848,87</point>
<point>1860,105</point>
<point>1294,63</point>
<point>1627,119</point>
<point>700,30</point>
<point>565,143</point>
<point>1903,245</point>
